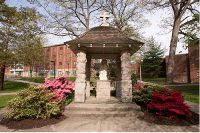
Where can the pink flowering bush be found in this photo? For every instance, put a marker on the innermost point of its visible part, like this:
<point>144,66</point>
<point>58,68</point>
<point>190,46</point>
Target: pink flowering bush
<point>138,86</point>
<point>169,103</point>
<point>60,86</point>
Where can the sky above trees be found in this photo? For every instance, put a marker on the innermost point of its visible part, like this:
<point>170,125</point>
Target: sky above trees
<point>152,30</point>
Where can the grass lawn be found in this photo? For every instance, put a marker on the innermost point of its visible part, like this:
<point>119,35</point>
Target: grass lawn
<point>41,79</point>
<point>11,86</point>
<point>154,79</point>
<point>5,99</point>
<point>191,92</point>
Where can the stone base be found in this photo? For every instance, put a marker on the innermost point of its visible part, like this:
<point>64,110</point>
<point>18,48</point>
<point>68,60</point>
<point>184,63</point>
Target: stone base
<point>126,91</point>
<point>103,89</point>
<point>118,88</point>
<point>80,92</point>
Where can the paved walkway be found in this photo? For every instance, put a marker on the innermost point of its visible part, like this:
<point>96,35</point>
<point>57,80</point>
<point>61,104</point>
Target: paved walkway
<point>106,124</point>
<point>22,81</point>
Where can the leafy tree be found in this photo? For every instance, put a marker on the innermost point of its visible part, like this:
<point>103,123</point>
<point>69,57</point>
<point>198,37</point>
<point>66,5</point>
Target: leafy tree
<point>14,24</point>
<point>184,13</point>
<point>31,50</point>
<point>152,58</point>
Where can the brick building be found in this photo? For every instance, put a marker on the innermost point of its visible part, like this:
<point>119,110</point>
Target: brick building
<point>186,67</point>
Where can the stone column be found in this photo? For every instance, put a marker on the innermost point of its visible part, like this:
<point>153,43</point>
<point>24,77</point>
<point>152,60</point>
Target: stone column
<point>118,81</point>
<point>80,83</point>
<point>88,66</point>
<point>126,83</point>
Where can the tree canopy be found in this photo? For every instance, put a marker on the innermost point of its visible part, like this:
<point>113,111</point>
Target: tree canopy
<point>152,58</point>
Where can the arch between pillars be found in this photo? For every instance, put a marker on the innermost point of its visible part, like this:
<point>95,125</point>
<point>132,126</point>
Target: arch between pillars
<point>124,83</point>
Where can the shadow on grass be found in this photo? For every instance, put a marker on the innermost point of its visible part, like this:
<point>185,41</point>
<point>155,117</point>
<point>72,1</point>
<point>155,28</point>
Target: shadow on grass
<point>11,86</point>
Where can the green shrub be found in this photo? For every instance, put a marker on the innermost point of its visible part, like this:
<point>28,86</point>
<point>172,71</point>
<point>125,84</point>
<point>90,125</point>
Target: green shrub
<point>92,92</point>
<point>145,93</point>
<point>69,98</point>
<point>113,93</point>
<point>134,78</point>
<point>34,102</point>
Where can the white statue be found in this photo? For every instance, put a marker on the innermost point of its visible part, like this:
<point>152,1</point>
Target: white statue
<point>103,70</point>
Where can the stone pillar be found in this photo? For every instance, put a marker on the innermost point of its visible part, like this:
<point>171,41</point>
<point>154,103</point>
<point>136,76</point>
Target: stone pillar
<point>126,83</point>
<point>88,65</point>
<point>80,83</point>
<point>118,81</point>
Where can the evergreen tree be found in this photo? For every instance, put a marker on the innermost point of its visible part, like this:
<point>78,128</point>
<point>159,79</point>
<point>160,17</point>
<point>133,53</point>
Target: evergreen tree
<point>152,58</point>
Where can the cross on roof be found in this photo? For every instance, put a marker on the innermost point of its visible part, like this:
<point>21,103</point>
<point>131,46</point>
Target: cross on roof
<point>104,16</point>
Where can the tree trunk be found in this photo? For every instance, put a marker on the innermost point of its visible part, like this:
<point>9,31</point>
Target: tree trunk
<point>2,73</point>
<point>173,44</point>
<point>30,72</point>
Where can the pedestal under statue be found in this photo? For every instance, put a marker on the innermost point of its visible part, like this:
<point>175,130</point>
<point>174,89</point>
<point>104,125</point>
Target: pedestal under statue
<point>103,85</point>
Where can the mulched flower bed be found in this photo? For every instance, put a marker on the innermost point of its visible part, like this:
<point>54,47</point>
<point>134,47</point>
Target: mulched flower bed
<point>29,123</point>
<point>153,118</point>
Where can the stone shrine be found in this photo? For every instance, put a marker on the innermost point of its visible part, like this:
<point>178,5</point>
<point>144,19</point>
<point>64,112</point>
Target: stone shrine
<point>103,42</point>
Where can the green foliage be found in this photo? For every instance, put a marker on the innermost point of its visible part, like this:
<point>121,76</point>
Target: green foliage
<point>33,102</point>
<point>92,92</point>
<point>134,78</point>
<point>145,93</point>
<point>152,58</point>
<point>113,93</point>
<point>69,98</point>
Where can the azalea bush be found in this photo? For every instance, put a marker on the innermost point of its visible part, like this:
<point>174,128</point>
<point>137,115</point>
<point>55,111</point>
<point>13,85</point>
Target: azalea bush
<point>34,102</point>
<point>143,92</point>
<point>169,103</point>
<point>60,86</point>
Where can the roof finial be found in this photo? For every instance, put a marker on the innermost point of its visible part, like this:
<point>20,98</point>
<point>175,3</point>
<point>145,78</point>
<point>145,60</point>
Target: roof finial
<point>104,16</point>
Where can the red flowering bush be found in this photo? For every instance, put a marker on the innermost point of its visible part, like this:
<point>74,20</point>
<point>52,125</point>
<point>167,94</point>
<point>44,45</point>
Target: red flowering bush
<point>60,86</point>
<point>169,103</point>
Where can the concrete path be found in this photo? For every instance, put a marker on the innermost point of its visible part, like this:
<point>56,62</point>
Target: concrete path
<point>22,81</point>
<point>106,124</point>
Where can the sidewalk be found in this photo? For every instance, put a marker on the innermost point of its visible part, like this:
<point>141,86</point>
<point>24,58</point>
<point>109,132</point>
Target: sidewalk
<point>22,81</point>
<point>106,124</point>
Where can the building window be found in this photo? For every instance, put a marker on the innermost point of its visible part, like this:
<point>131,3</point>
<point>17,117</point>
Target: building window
<point>47,64</point>
<point>74,72</point>
<point>54,49</point>
<point>74,55</point>
<point>75,62</point>
<point>67,63</point>
<point>25,65</point>
<point>54,56</point>
<point>36,65</point>
<point>67,46</point>
<point>61,48</point>
<point>60,63</point>
<point>67,72</point>
<point>60,55</point>
<point>60,73</point>
<point>48,50</point>
<point>47,57</point>
<point>53,64</point>
<point>41,64</point>
<point>68,55</point>
<point>197,74</point>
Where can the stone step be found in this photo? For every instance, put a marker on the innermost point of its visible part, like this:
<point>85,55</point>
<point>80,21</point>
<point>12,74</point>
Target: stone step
<point>80,113</point>
<point>103,107</point>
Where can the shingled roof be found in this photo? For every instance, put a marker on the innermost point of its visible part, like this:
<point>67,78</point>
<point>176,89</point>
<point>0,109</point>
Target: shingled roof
<point>103,35</point>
